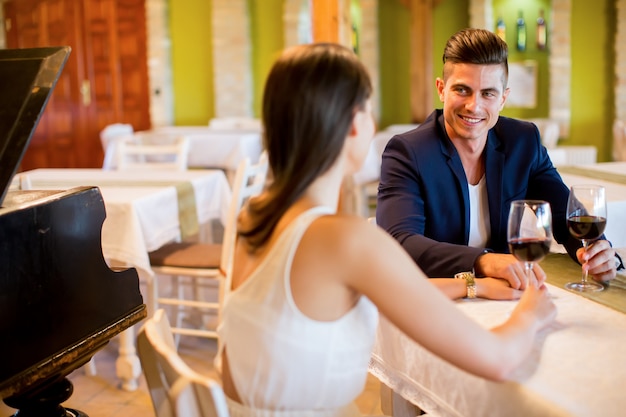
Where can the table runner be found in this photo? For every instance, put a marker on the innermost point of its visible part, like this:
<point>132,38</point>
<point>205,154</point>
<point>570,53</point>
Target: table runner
<point>561,269</point>
<point>185,193</point>
<point>593,173</point>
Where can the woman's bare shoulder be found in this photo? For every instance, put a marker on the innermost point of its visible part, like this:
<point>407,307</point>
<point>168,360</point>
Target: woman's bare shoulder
<point>348,237</point>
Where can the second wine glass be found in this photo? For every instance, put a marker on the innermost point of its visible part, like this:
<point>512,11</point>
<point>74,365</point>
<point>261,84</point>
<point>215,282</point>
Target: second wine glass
<point>529,231</point>
<point>586,220</point>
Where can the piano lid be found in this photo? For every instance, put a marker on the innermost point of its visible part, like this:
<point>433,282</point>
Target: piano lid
<point>27,78</point>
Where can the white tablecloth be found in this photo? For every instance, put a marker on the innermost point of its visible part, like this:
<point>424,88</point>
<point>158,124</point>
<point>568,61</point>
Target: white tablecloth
<point>141,207</point>
<point>578,366</point>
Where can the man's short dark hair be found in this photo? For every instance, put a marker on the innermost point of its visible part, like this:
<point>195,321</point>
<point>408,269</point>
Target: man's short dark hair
<point>476,46</point>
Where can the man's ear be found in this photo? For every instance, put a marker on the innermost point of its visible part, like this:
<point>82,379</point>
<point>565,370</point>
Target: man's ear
<point>440,84</point>
<point>505,94</point>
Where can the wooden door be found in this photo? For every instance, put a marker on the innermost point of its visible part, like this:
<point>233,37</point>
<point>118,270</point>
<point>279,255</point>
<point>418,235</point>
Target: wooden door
<point>104,81</point>
<point>116,73</point>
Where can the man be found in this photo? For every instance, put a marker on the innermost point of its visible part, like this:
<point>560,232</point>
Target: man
<point>446,187</point>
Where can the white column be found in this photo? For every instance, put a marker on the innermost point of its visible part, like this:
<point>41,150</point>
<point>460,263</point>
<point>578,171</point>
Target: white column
<point>231,59</point>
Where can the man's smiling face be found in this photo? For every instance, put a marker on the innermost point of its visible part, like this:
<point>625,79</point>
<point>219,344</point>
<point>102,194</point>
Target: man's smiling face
<point>473,96</point>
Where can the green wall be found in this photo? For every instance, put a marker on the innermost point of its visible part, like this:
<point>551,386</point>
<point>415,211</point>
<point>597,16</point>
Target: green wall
<point>393,20</point>
<point>393,33</point>
<point>449,17</point>
<point>192,61</point>
<point>593,80</point>
<point>267,42</point>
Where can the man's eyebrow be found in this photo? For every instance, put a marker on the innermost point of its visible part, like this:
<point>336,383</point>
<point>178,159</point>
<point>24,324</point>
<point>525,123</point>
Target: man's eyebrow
<point>456,85</point>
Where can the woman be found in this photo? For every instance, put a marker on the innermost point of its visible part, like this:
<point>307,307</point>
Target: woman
<point>299,324</point>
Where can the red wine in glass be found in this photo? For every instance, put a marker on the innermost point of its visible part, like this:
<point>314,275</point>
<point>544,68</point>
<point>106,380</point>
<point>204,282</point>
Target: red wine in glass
<point>586,220</point>
<point>586,227</point>
<point>528,249</point>
<point>529,231</point>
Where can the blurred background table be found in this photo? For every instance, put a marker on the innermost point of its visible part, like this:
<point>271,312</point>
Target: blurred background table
<point>143,208</point>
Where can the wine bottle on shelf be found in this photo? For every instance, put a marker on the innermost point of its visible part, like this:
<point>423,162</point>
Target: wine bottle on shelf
<point>521,33</point>
<point>541,31</point>
<point>355,39</point>
<point>501,28</point>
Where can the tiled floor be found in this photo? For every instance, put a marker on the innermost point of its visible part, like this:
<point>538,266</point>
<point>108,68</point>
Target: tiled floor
<point>100,396</point>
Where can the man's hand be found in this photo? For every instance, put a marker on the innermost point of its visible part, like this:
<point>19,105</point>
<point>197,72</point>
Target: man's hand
<point>507,267</point>
<point>598,260</point>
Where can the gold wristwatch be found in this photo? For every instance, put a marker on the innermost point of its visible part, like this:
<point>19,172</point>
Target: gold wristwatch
<point>469,281</point>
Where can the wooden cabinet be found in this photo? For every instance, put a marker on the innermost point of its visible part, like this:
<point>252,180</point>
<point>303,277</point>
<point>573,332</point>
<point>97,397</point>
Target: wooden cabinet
<point>104,81</point>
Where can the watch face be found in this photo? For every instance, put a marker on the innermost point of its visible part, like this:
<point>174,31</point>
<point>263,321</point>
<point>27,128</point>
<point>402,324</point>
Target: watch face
<point>464,275</point>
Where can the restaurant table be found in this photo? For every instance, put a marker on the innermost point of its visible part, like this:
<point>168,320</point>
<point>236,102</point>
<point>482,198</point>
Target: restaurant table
<point>211,148</point>
<point>576,368</point>
<point>144,210</point>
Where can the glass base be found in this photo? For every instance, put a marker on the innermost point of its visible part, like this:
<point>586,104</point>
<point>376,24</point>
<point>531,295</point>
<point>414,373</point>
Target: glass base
<point>584,286</point>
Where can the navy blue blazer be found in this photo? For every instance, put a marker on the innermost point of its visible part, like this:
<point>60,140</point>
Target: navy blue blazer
<point>423,196</point>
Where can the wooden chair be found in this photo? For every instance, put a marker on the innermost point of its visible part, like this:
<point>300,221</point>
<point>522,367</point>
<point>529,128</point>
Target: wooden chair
<point>175,388</point>
<point>134,154</point>
<point>203,264</point>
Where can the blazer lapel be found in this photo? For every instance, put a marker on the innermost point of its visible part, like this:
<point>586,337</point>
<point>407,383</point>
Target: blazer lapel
<point>454,163</point>
<point>494,165</point>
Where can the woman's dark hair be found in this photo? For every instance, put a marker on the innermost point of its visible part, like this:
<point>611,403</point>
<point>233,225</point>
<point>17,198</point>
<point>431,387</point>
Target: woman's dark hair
<point>310,98</point>
<point>477,46</point>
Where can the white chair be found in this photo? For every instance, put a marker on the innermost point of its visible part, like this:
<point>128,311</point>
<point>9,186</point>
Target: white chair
<point>205,263</point>
<point>236,123</point>
<point>133,154</point>
<point>367,178</point>
<point>109,137</point>
<point>176,390</point>
<point>549,130</point>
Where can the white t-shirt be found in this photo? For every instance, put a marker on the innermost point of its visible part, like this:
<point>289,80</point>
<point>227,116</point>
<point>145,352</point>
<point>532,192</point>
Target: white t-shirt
<point>480,226</point>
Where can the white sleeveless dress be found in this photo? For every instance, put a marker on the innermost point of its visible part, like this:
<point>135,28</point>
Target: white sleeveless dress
<point>283,363</point>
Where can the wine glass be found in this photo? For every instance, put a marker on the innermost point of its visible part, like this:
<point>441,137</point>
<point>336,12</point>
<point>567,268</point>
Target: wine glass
<point>529,232</point>
<point>586,220</point>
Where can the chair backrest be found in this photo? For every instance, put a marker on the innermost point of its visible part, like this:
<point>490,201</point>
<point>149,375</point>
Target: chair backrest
<point>108,138</point>
<point>175,388</point>
<point>549,131</point>
<point>133,154</point>
<point>249,181</point>
<point>235,123</point>
<point>619,140</point>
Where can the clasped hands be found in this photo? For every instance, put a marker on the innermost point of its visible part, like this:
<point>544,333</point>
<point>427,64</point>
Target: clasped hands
<point>505,278</point>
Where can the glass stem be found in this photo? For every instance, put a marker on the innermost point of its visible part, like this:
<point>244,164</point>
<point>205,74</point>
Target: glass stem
<point>585,273</point>
<point>528,266</point>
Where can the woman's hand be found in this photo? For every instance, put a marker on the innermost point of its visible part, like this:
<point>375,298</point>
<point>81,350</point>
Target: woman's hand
<point>496,289</point>
<point>536,303</point>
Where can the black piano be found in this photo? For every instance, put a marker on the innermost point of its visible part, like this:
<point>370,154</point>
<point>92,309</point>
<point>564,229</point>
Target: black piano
<point>59,301</point>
